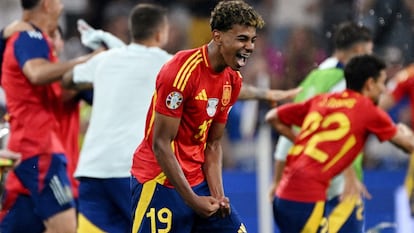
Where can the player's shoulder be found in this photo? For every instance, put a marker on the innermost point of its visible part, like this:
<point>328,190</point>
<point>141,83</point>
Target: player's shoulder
<point>184,62</point>
<point>187,57</point>
<point>29,35</point>
<point>31,38</point>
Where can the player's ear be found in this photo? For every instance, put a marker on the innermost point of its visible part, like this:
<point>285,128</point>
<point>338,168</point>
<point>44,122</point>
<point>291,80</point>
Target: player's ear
<point>217,36</point>
<point>370,84</point>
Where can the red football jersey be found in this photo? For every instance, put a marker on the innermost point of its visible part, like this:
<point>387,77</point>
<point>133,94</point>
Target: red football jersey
<point>334,128</point>
<point>34,127</point>
<point>189,89</point>
<point>405,87</point>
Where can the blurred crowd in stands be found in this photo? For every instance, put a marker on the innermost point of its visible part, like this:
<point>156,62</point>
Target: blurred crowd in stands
<point>296,38</point>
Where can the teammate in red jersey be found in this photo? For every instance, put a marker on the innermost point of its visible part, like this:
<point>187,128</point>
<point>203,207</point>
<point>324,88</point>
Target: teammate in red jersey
<point>177,183</point>
<point>402,86</point>
<point>38,195</point>
<point>334,130</point>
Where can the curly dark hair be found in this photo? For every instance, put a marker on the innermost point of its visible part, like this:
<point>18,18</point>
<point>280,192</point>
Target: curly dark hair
<point>229,13</point>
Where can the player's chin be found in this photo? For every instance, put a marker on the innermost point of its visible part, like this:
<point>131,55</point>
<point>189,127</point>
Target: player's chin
<point>235,66</point>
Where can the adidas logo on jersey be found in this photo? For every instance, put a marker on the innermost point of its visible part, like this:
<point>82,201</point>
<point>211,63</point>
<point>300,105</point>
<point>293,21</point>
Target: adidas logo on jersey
<point>35,35</point>
<point>202,95</point>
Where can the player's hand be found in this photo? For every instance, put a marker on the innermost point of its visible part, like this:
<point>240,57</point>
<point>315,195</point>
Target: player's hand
<point>354,189</point>
<point>9,159</point>
<point>205,206</point>
<point>16,26</point>
<point>277,95</point>
<point>272,191</point>
<point>225,209</point>
<point>405,129</point>
<point>95,39</point>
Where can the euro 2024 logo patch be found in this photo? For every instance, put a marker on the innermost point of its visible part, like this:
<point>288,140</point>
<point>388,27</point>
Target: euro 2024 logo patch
<point>174,100</point>
<point>212,106</point>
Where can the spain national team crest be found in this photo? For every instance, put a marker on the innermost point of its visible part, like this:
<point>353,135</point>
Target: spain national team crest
<point>212,106</point>
<point>225,99</point>
<point>174,100</point>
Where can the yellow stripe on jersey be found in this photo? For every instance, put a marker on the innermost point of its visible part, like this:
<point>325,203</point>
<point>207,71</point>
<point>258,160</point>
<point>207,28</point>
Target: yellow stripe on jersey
<point>240,75</point>
<point>154,101</point>
<point>189,74</point>
<point>315,219</point>
<point>147,193</point>
<point>85,226</point>
<point>205,56</point>
<point>177,78</point>
<point>345,148</point>
<point>341,213</point>
<point>182,73</point>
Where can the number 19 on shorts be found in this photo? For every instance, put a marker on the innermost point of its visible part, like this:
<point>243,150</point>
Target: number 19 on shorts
<point>162,216</point>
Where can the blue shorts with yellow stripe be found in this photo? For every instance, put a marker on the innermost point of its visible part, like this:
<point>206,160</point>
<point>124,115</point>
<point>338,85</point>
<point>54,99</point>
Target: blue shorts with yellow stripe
<point>345,216</point>
<point>104,205</point>
<point>157,208</point>
<point>292,216</point>
<point>342,216</point>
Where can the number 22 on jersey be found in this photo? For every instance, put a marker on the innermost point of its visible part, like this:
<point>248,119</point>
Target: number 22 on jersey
<point>320,130</point>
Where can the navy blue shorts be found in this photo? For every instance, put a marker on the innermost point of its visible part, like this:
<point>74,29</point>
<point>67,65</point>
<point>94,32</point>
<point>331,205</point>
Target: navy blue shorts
<point>345,216</point>
<point>292,216</point>
<point>45,177</point>
<point>157,208</point>
<point>104,205</point>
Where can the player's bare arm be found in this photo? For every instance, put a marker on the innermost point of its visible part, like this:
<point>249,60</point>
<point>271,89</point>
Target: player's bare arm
<point>40,71</point>
<point>68,83</point>
<point>165,130</point>
<point>9,158</point>
<point>404,138</point>
<point>354,188</point>
<point>386,101</point>
<point>279,165</point>
<point>251,92</point>
<point>16,26</point>
<point>213,166</point>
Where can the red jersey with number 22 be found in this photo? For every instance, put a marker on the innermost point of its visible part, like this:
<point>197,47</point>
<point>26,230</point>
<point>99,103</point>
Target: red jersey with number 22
<point>187,88</point>
<point>334,128</point>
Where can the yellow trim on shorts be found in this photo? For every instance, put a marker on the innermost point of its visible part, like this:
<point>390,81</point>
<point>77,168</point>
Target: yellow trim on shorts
<point>341,213</point>
<point>315,219</point>
<point>86,226</point>
<point>147,193</point>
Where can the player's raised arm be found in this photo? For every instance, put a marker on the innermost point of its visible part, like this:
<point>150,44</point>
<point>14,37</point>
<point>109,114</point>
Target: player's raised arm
<point>404,138</point>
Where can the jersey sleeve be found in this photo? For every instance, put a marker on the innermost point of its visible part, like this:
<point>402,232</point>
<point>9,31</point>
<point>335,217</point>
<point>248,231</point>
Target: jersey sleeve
<point>85,72</point>
<point>381,125</point>
<point>30,45</point>
<point>170,96</point>
<point>293,113</point>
